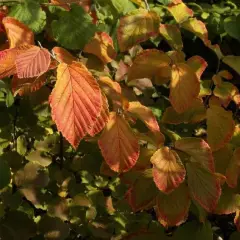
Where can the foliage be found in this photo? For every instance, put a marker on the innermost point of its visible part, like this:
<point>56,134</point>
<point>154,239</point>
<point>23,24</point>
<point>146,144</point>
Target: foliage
<point>119,119</point>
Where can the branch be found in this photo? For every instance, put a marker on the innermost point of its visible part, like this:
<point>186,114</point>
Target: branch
<point>146,4</point>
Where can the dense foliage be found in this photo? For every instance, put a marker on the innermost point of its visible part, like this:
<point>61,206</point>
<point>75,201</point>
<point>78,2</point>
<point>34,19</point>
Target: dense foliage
<point>119,119</point>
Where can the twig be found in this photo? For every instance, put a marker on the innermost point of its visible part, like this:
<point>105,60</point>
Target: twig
<point>146,4</point>
<point>61,151</point>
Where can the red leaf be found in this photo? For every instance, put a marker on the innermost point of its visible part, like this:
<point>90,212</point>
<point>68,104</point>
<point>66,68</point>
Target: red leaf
<point>124,150</point>
<point>33,62</point>
<point>75,101</point>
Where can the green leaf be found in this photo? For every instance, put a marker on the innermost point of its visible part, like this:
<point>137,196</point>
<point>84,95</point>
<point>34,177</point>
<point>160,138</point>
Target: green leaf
<point>231,26</point>
<point>30,13</point>
<point>73,29</point>
<point>9,97</point>
<point>22,145</point>
<point>40,158</point>
<point>233,62</point>
<point>5,174</point>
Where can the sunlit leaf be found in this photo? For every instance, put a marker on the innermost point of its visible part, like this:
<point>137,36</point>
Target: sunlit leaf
<point>63,56</point>
<point>172,209</point>
<point>225,91</point>
<point>152,64</point>
<point>17,33</point>
<point>198,64</point>
<point>172,35</point>
<point>101,45</point>
<point>33,62</point>
<point>75,101</point>
<point>203,185</point>
<point>124,151</point>
<point>220,127</point>
<point>136,27</point>
<point>168,170</point>
<point>184,87</point>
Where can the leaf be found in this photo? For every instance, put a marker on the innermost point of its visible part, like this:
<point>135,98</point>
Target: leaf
<point>33,62</point>
<point>203,185</point>
<point>18,34</point>
<point>145,114</point>
<point>198,64</point>
<point>231,26</point>
<point>75,101</point>
<point>168,170</point>
<point>196,113</point>
<point>199,151</point>
<point>25,86</point>
<point>172,209</point>
<point>7,60</point>
<point>102,119</point>
<point>136,27</point>
<point>233,169</point>
<point>172,35</point>
<point>122,71</point>
<point>225,91</point>
<point>124,151</point>
<point>233,62</point>
<point>180,11</point>
<point>220,127</point>
<point>22,145</point>
<point>38,157</point>
<point>197,27</point>
<point>101,45</point>
<point>76,25</point>
<point>184,87</point>
<point>30,13</point>
<point>63,56</point>
<point>150,64</point>
<point>137,198</point>
<point>5,174</point>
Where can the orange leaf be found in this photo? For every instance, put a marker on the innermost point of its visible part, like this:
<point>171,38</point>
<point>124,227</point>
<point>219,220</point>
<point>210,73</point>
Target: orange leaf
<point>33,62</point>
<point>180,11</point>
<point>75,101</point>
<point>102,119</point>
<point>199,151</point>
<point>172,35</point>
<point>233,170</point>
<point>63,56</point>
<point>220,127</point>
<point>124,150</point>
<point>17,33</point>
<point>7,60</point>
<point>150,64</point>
<point>25,86</point>
<point>198,64</point>
<point>184,87</point>
<point>172,209</point>
<point>237,223</point>
<point>196,113</point>
<point>145,114</point>
<point>102,46</point>
<point>136,27</point>
<point>168,170</point>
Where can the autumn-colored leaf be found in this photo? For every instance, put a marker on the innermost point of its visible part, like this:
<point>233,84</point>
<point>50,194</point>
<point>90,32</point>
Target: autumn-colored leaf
<point>172,209</point>
<point>101,45</point>
<point>102,119</point>
<point>124,151</point>
<point>233,169</point>
<point>180,11</point>
<point>63,56</point>
<point>33,62</point>
<point>7,60</point>
<point>203,185</point>
<point>25,86</point>
<point>75,101</point>
<point>197,27</point>
<point>121,71</point>
<point>145,114</point>
<point>237,222</point>
<point>136,27</point>
<point>152,64</point>
<point>137,198</point>
<point>196,113</point>
<point>220,127</point>
<point>172,35</point>
<point>198,64</point>
<point>225,91</point>
<point>184,87</point>
<point>199,151</point>
<point>168,170</point>
<point>18,34</point>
